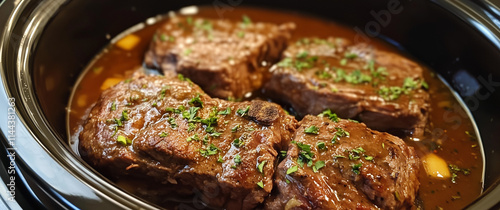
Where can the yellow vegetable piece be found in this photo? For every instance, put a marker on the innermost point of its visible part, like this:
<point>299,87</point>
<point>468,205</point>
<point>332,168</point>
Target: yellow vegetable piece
<point>81,100</point>
<point>109,82</point>
<point>128,42</point>
<point>435,166</point>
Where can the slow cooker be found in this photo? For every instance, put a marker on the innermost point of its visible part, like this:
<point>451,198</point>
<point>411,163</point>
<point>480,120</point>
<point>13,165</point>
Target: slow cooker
<point>41,40</point>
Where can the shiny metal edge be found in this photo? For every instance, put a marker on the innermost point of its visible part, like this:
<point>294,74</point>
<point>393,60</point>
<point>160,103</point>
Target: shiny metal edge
<point>30,114</point>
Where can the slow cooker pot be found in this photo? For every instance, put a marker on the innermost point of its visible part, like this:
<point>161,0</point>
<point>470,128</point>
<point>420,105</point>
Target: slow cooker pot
<point>54,40</point>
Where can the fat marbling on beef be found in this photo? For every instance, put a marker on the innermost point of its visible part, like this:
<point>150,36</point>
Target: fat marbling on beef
<point>226,58</point>
<point>341,164</point>
<point>166,130</point>
<point>384,90</point>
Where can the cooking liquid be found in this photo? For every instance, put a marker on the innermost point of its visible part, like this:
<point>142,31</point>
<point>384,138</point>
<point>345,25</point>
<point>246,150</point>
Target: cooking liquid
<point>449,131</point>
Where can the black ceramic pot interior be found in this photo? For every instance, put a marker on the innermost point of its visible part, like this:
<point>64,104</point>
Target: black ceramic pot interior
<point>436,33</point>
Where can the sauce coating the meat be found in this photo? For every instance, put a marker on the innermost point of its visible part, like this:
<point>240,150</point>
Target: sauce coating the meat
<point>448,135</point>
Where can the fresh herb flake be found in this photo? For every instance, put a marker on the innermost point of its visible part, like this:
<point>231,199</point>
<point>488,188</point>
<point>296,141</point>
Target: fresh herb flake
<point>260,184</point>
<point>318,165</point>
<point>261,165</point>
<point>225,111</point>
<point>243,112</point>
<point>312,130</point>
<point>321,145</point>
<point>356,167</point>
<point>292,169</point>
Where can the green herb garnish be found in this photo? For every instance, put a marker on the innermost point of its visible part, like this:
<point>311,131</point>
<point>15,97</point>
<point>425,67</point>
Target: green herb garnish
<point>123,140</point>
<point>356,167</point>
<point>243,112</point>
<point>225,111</point>
<point>292,169</point>
<point>211,150</point>
<point>312,130</point>
<point>163,134</point>
<point>260,184</point>
<point>261,165</point>
<point>318,165</point>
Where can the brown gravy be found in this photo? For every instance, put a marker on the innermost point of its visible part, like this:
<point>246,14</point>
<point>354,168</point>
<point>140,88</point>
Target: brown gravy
<point>450,132</point>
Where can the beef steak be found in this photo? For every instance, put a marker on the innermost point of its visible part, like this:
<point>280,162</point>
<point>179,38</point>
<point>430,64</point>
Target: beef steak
<point>340,164</point>
<point>382,89</point>
<point>166,130</point>
<point>228,59</point>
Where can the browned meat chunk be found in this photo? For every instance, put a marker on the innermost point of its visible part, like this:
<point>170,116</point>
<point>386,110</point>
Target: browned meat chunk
<point>168,131</point>
<point>382,89</point>
<point>226,59</point>
<point>345,165</point>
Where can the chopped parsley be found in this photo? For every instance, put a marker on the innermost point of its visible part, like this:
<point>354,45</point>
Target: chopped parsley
<point>241,34</point>
<point>339,134</point>
<point>261,165</point>
<point>237,159</point>
<point>238,143</point>
<point>455,170</point>
<point>343,62</point>
<point>394,92</point>
<point>350,55</point>
<point>118,122</point>
<point>292,169</point>
<point>331,115</point>
<point>211,121</point>
<point>190,114</point>
<point>163,134</point>
<point>354,121</point>
<point>260,184</point>
<point>323,75</point>
<point>193,137</point>
<point>321,145</point>
<point>243,112</point>
<point>211,150</point>
<point>163,37</point>
<point>187,51</point>
<point>113,106</point>
<point>225,111</point>
<point>163,92</point>
<point>358,150</point>
<point>124,115</point>
<point>246,20</point>
<point>356,167</point>
<point>305,154</point>
<point>220,159</point>
<point>215,134</point>
<point>235,128</point>
<point>302,55</point>
<point>369,158</point>
<point>282,154</point>
<point>182,78</point>
<point>196,101</point>
<point>318,165</point>
<point>191,126</point>
<point>312,130</point>
<point>123,140</point>
<point>355,77</point>
<point>354,154</point>
<point>301,61</point>
<point>172,122</point>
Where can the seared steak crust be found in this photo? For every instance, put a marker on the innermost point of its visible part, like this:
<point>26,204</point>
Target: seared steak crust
<point>225,58</point>
<point>168,131</point>
<point>382,89</point>
<point>345,165</point>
